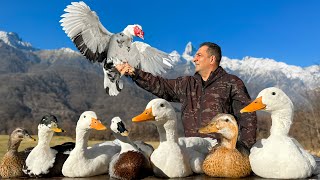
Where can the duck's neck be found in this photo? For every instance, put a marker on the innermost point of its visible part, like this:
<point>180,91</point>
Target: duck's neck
<point>126,31</point>
<point>281,121</point>
<point>126,143</point>
<point>168,131</point>
<point>82,137</point>
<point>229,143</point>
<point>44,137</point>
<point>13,144</point>
<point>230,140</point>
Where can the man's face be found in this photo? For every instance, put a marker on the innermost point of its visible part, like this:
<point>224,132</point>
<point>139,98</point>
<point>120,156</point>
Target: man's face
<point>202,60</point>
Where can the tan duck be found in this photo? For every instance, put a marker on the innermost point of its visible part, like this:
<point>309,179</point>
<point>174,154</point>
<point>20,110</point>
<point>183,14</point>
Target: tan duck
<point>13,161</point>
<point>225,160</point>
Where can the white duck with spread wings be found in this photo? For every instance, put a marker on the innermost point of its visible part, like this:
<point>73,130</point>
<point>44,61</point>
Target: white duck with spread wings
<point>97,44</point>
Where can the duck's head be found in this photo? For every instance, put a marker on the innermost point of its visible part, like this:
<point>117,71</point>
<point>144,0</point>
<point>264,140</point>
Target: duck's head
<point>88,120</point>
<point>269,99</point>
<point>159,111</point>
<point>118,126</point>
<point>224,124</point>
<point>49,123</point>
<point>20,134</point>
<point>134,30</point>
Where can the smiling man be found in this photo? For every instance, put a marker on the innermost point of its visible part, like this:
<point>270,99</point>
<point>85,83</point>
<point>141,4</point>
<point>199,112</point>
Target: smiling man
<point>210,91</point>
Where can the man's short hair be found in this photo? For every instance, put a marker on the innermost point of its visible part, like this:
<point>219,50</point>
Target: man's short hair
<point>213,49</point>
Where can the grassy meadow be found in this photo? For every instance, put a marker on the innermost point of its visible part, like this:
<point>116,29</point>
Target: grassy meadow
<point>56,140</point>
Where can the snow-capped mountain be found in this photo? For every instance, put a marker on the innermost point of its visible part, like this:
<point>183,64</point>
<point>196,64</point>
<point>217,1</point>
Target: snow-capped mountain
<point>13,40</point>
<point>189,52</point>
<point>256,73</point>
<point>259,73</point>
<point>251,68</point>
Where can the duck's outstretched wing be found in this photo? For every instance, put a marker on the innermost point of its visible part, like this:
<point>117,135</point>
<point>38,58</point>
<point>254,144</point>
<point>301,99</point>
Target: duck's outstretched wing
<point>84,28</point>
<point>202,145</point>
<point>148,58</point>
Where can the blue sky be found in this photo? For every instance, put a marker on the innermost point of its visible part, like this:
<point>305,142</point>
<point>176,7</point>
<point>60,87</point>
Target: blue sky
<point>284,30</point>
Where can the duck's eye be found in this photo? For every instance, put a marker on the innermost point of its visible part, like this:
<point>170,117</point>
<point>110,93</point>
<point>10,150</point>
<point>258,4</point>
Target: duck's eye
<point>161,105</point>
<point>227,120</point>
<point>84,116</point>
<point>273,93</point>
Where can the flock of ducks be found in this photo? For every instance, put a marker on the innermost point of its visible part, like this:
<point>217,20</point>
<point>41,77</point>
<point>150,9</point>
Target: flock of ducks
<point>279,156</point>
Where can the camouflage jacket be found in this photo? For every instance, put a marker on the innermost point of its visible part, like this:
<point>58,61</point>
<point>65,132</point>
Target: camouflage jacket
<point>201,101</point>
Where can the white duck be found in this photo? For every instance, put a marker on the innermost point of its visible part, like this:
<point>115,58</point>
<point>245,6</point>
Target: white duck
<point>43,160</point>
<point>84,161</point>
<point>174,157</point>
<point>131,162</point>
<point>279,156</point>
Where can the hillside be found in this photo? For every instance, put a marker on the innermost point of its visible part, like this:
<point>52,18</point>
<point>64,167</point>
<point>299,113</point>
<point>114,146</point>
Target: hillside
<point>64,83</point>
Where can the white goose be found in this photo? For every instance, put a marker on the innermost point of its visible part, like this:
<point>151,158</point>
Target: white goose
<point>283,156</point>
<point>174,157</point>
<point>84,161</point>
<point>43,160</point>
<point>131,162</point>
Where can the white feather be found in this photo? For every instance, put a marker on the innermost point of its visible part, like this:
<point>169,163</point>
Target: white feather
<point>80,19</point>
<point>187,153</point>
<point>95,42</point>
<point>42,157</point>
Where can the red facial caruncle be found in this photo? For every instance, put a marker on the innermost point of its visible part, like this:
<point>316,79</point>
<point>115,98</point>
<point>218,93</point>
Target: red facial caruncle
<point>138,32</point>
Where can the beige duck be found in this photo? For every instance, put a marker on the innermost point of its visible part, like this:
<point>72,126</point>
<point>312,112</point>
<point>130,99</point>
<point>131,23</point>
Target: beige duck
<point>13,161</point>
<point>225,160</point>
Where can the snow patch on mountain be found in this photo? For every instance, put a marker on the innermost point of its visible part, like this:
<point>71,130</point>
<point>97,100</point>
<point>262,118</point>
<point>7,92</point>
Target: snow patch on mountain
<point>13,40</point>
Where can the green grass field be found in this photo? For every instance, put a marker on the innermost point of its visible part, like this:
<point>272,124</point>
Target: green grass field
<point>56,140</point>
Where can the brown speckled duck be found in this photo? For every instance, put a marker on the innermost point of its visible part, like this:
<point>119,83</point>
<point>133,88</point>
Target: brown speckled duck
<point>225,160</point>
<point>13,161</point>
<point>131,162</point>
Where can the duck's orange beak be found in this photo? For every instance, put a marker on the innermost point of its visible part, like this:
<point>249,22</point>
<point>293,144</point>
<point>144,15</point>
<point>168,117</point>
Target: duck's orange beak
<point>254,106</point>
<point>210,128</point>
<point>54,127</point>
<point>145,116</point>
<point>96,124</point>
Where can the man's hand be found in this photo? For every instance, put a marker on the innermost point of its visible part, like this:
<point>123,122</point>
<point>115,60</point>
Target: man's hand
<point>125,69</point>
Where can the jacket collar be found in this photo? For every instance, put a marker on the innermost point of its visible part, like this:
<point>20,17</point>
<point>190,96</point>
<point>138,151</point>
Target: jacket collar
<point>214,75</point>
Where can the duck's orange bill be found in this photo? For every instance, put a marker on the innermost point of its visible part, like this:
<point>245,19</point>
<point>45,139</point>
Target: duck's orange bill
<point>145,116</point>
<point>254,106</point>
<point>125,133</point>
<point>56,129</point>
<point>210,128</point>
<point>96,124</point>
